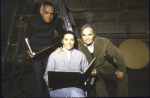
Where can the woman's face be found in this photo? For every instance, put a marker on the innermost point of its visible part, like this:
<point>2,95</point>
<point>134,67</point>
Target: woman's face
<point>68,41</point>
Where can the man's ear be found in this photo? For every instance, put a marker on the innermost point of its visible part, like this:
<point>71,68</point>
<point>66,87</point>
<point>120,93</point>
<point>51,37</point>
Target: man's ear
<point>41,12</point>
<point>93,34</point>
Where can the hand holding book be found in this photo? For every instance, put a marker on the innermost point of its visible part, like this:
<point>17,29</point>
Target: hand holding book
<point>94,72</point>
<point>62,79</point>
<point>41,53</point>
<point>30,54</point>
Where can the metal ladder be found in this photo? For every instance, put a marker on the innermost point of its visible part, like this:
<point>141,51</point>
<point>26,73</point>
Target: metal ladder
<point>65,13</point>
<point>15,45</point>
<point>69,24</point>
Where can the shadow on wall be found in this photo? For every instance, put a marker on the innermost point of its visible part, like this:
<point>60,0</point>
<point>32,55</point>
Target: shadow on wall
<point>8,6</point>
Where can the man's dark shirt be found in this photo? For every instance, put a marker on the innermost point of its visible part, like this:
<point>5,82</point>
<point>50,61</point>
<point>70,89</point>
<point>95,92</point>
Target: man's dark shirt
<point>40,33</point>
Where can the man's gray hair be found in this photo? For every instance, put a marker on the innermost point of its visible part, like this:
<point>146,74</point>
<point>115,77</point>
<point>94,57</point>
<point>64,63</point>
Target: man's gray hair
<point>87,26</point>
<point>46,3</point>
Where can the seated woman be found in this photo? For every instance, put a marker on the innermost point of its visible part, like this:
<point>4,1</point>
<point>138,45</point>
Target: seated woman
<point>69,59</point>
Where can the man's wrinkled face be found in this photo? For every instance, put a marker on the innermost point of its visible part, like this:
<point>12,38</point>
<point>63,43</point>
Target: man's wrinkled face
<point>47,13</point>
<point>68,41</point>
<point>87,35</point>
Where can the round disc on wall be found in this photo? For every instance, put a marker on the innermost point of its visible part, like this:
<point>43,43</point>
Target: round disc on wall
<point>135,53</point>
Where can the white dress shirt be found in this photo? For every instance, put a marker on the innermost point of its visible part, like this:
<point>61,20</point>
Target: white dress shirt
<point>90,47</point>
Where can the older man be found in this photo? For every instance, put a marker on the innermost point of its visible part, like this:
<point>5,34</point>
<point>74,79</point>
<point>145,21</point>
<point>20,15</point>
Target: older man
<point>98,47</point>
<point>40,31</point>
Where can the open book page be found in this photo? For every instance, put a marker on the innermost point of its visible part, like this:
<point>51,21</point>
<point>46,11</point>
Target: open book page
<point>64,79</point>
<point>82,72</point>
<point>44,49</point>
<point>27,42</point>
<point>69,71</point>
<point>89,65</point>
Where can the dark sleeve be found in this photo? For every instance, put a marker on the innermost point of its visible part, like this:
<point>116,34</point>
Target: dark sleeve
<point>27,33</point>
<point>116,53</point>
<point>28,29</point>
<point>59,27</point>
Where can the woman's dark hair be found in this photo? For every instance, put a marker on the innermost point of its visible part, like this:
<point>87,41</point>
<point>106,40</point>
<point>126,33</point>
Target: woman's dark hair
<point>67,32</point>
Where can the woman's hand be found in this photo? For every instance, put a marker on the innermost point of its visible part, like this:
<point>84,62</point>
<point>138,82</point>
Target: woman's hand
<point>94,72</point>
<point>58,50</point>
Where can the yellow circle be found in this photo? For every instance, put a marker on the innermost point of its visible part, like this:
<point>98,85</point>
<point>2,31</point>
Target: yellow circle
<point>135,53</point>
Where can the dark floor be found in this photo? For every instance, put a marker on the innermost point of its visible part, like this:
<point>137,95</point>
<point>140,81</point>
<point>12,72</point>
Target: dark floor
<point>138,85</point>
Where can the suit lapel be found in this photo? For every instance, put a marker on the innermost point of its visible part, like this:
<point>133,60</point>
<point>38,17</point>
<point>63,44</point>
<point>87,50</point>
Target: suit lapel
<point>96,48</point>
<point>85,50</point>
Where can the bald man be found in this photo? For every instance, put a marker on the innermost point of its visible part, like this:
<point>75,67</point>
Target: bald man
<point>40,32</point>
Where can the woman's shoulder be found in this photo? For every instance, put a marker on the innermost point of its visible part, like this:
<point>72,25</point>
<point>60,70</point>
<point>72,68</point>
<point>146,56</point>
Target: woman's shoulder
<point>53,54</point>
<point>78,52</point>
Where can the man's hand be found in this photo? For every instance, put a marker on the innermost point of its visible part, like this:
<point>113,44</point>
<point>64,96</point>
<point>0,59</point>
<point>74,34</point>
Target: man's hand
<point>94,72</point>
<point>30,54</point>
<point>119,74</point>
<point>58,50</point>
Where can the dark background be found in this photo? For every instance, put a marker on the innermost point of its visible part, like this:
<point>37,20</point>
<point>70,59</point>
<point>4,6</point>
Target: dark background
<point>94,11</point>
